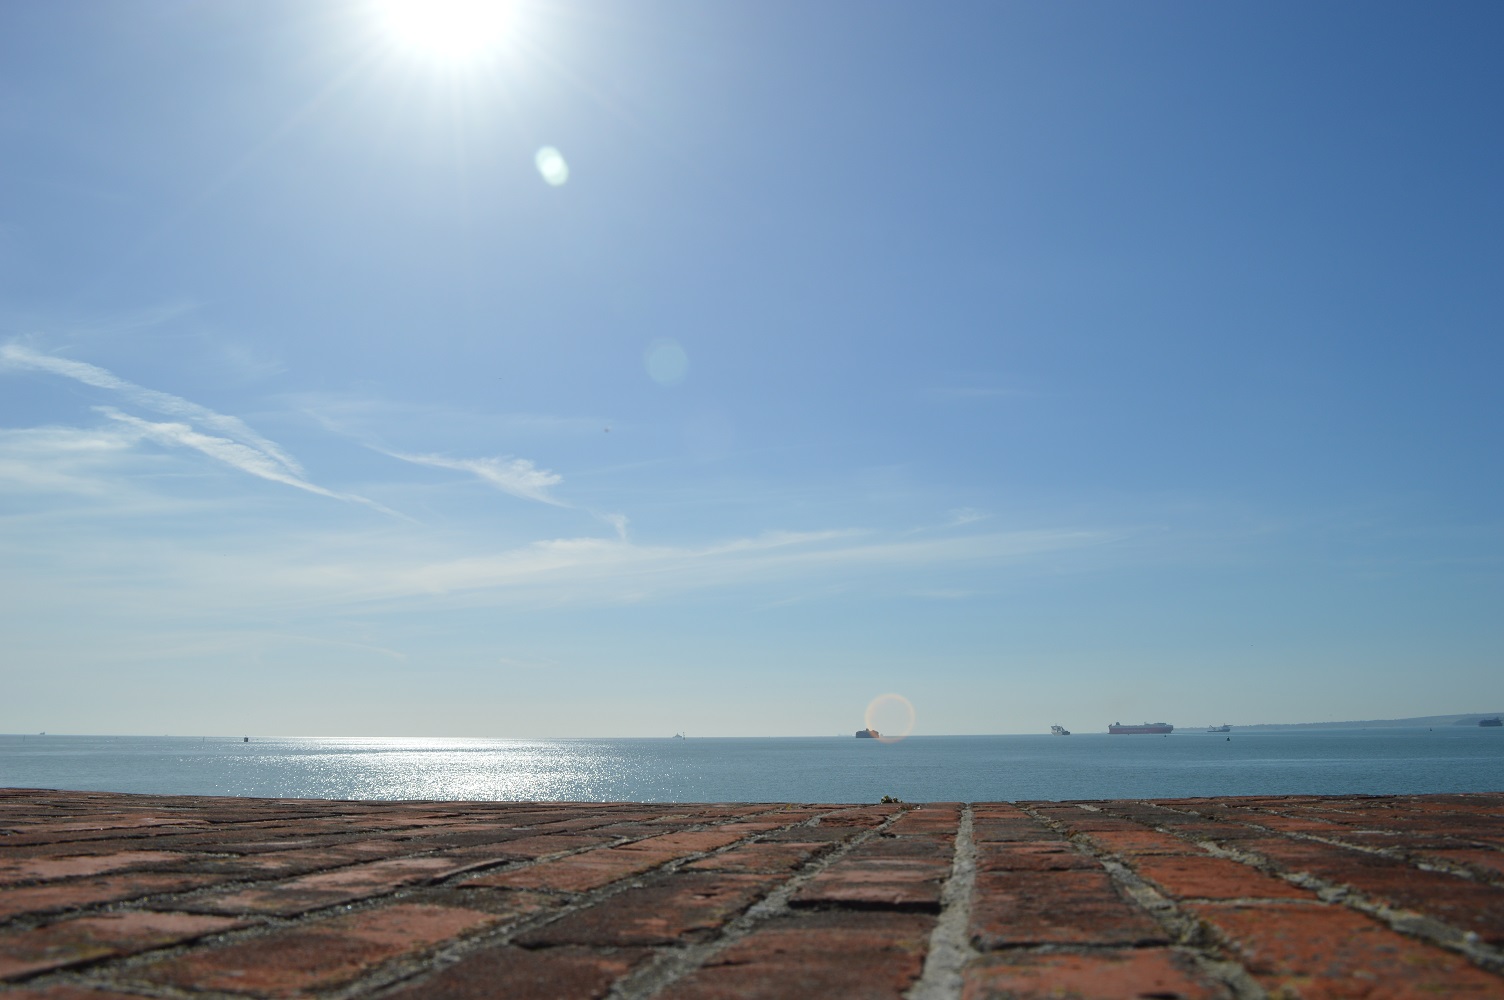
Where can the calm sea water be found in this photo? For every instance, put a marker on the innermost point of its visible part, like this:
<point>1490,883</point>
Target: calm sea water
<point>919,769</point>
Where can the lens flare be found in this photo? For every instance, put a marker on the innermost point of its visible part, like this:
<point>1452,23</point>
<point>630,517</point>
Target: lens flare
<point>666,362</point>
<point>552,166</point>
<point>892,715</point>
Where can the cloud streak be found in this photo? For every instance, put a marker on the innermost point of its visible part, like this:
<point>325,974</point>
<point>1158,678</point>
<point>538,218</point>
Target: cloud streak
<point>516,476</point>
<point>231,453</point>
<point>15,356</point>
<point>596,570</point>
<point>234,444</point>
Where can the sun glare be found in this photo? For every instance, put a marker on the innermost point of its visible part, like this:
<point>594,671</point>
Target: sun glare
<point>448,30</point>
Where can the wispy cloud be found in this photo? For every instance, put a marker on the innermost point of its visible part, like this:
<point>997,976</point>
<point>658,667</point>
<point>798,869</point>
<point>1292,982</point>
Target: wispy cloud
<point>234,443</point>
<point>617,521</point>
<point>517,476</point>
<point>77,460</point>
<point>232,453</point>
<point>596,570</point>
<point>13,355</point>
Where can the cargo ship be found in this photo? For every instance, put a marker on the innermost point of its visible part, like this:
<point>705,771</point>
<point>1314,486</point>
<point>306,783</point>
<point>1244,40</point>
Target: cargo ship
<point>1224,728</point>
<point>1150,728</point>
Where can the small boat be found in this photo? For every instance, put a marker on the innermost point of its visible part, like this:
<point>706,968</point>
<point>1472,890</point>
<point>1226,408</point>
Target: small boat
<point>1224,728</point>
<point>1059,731</point>
<point>867,734</point>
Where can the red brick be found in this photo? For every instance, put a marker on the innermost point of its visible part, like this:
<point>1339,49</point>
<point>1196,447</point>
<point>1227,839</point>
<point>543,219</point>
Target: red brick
<point>876,883</point>
<point>578,872</point>
<point>520,974</point>
<point>123,822</point>
<point>826,834</point>
<point>574,825</point>
<point>936,818</point>
<point>1318,951</point>
<point>988,824</point>
<point>998,810</point>
<point>321,955</point>
<point>1137,842</point>
<point>681,844</point>
<point>1477,858</point>
<point>1463,903</point>
<point>301,861</point>
<point>1033,856</point>
<point>681,907</point>
<point>1292,824</point>
<point>538,847</point>
<point>67,844</point>
<point>1139,972</point>
<point>66,993</point>
<point>987,832</point>
<point>854,956</point>
<point>13,872</point>
<point>54,896</point>
<point>1215,878</point>
<point>865,816</point>
<point>87,939</point>
<point>917,848</point>
<point>749,827</point>
<point>312,892</point>
<point>760,857</point>
<point>1056,907</point>
<point>1194,829</point>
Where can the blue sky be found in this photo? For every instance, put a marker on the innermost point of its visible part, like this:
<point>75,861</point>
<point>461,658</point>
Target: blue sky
<point>1040,363</point>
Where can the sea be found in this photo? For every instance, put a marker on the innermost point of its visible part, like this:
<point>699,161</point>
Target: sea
<point>815,769</point>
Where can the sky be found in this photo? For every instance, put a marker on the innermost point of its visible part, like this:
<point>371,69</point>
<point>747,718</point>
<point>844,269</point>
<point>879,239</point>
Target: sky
<point>586,369</point>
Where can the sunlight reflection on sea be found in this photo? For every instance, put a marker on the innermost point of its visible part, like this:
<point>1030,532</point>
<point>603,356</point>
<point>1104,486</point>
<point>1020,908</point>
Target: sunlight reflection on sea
<point>814,769</point>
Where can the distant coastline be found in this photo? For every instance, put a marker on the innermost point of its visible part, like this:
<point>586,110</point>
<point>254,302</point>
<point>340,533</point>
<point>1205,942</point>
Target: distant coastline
<point>1470,719</point>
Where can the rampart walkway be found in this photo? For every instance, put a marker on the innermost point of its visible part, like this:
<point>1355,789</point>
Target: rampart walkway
<point>108,896</point>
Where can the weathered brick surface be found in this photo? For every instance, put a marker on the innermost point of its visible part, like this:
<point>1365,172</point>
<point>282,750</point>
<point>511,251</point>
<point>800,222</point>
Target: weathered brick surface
<point>522,974</point>
<point>762,857</point>
<point>1015,908</point>
<point>1330,951</point>
<point>46,869</point>
<point>343,885</point>
<point>1036,856</point>
<point>871,956</point>
<point>72,942</point>
<point>294,962</point>
<point>104,897</point>
<point>59,896</point>
<point>65,993</point>
<point>1139,972</point>
<point>1214,878</point>
<point>579,872</point>
<point>675,908</point>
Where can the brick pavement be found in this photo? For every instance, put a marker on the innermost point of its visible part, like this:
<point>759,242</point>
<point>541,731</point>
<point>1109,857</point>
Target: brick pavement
<point>106,896</point>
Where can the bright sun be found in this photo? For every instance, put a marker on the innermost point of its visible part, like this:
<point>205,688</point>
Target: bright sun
<point>449,30</point>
